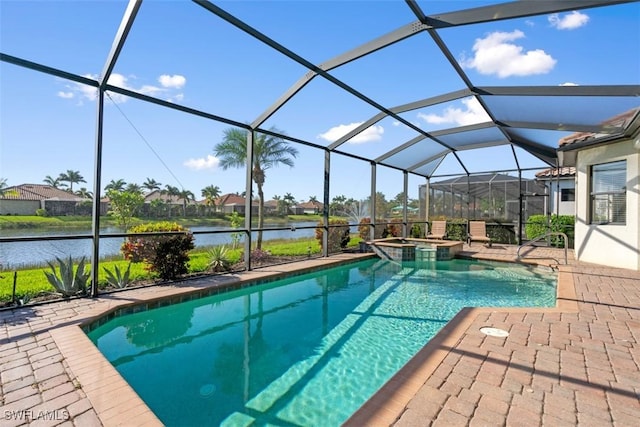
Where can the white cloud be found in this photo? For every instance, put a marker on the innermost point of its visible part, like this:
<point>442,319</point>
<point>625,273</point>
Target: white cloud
<point>167,90</point>
<point>496,54</point>
<point>569,84</point>
<point>472,113</point>
<point>372,133</point>
<point>570,21</point>
<point>176,81</point>
<point>209,162</point>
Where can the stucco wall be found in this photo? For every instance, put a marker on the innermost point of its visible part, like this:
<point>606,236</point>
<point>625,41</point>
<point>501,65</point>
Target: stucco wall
<point>19,207</point>
<point>612,245</point>
<point>564,208</point>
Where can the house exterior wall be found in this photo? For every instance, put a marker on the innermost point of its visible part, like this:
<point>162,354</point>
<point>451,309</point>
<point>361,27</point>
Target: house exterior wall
<point>18,207</point>
<point>608,244</point>
<point>564,207</point>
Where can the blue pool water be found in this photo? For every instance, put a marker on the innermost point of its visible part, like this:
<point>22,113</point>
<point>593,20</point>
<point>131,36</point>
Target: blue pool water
<point>304,351</point>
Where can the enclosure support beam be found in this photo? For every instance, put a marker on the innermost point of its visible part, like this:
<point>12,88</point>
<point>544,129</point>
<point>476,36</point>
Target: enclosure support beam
<point>468,196</point>
<point>520,199</point>
<point>427,203</point>
<point>325,208</point>
<point>248,199</point>
<point>97,174</point>
<point>405,201</point>
<point>372,227</point>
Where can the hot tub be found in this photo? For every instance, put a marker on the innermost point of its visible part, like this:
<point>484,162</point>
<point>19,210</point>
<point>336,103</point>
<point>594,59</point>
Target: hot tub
<point>410,249</point>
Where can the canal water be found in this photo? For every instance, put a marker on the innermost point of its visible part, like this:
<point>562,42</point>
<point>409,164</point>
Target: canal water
<point>21,254</point>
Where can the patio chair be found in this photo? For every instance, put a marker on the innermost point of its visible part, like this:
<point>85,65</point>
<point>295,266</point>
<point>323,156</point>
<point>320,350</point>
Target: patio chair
<point>438,230</point>
<point>478,233</point>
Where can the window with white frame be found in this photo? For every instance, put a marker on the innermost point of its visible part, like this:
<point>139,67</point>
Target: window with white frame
<point>609,193</point>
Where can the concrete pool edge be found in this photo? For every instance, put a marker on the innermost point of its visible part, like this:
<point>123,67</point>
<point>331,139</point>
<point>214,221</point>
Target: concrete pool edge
<point>387,405</point>
<point>116,403</point>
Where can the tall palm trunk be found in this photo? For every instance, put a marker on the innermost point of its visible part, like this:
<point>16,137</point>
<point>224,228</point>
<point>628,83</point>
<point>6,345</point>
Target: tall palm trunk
<point>260,215</point>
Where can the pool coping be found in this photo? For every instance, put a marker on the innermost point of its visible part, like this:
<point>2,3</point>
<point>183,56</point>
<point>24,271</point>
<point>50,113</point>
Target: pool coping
<point>113,399</point>
<point>116,403</point>
<point>386,406</point>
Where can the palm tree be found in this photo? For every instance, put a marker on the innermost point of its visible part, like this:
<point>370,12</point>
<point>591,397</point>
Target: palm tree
<point>268,151</point>
<point>210,194</point>
<point>186,197</point>
<point>289,201</point>
<point>336,207</point>
<point>115,185</point>
<point>133,188</point>
<point>151,185</point>
<point>4,191</point>
<point>84,193</point>
<point>72,177</point>
<point>54,182</point>
<point>279,204</point>
<point>170,191</point>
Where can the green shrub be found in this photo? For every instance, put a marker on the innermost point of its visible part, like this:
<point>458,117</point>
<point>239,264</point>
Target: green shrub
<point>456,230</point>
<point>337,235</point>
<point>416,231</point>
<point>166,255</point>
<point>364,227</point>
<point>500,233</point>
<point>394,227</point>
<point>537,226</point>
<point>41,212</point>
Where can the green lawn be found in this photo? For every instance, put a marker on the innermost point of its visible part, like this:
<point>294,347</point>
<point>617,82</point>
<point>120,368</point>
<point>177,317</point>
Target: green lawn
<point>32,281</point>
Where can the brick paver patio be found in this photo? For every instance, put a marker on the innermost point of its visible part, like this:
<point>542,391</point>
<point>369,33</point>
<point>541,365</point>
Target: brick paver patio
<point>577,364</point>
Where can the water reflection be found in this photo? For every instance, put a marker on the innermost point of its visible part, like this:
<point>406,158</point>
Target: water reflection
<point>19,254</point>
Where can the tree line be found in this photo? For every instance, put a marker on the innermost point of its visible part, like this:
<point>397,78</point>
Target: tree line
<point>268,151</point>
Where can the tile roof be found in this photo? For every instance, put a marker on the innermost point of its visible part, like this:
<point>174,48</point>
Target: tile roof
<point>555,172</point>
<point>619,122</point>
<point>229,199</point>
<point>39,192</point>
<point>311,205</point>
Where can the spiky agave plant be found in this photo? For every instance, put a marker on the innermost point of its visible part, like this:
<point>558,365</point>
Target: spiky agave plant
<point>68,283</point>
<point>117,278</point>
<point>219,258</point>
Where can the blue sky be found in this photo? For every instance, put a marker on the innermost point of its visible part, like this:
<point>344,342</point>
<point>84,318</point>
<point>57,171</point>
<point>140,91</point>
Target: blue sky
<point>178,52</point>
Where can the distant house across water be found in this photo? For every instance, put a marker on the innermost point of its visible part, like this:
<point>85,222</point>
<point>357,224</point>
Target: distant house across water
<point>26,199</point>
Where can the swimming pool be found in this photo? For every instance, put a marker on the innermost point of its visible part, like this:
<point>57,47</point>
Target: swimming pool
<point>308,350</point>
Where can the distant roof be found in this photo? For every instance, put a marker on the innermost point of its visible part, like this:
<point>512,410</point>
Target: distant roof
<point>310,205</point>
<point>38,192</point>
<point>232,200</point>
<point>159,195</point>
<point>557,172</point>
<point>229,199</point>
